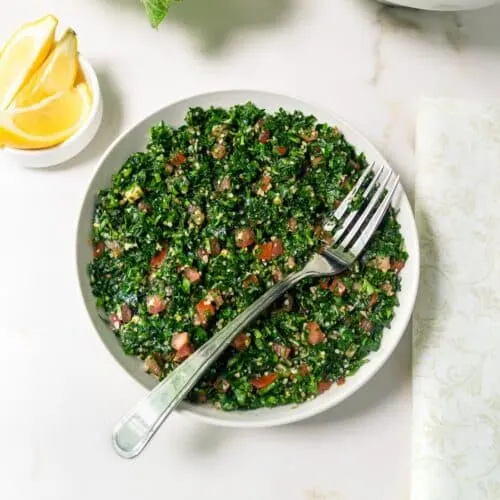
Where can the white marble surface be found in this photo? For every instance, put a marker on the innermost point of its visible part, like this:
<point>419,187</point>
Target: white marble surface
<point>60,390</point>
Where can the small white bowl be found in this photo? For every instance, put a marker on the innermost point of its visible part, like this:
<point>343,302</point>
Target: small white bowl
<point>442,5</point>
<point>42,158</point>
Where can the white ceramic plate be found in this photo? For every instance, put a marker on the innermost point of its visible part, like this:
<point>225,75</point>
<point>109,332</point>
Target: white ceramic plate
<point>135,139</point>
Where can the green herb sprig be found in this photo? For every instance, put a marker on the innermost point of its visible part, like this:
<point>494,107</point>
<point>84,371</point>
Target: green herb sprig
<point>157,10</point>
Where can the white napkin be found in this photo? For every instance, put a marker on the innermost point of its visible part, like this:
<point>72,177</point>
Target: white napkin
<point>456,355</point>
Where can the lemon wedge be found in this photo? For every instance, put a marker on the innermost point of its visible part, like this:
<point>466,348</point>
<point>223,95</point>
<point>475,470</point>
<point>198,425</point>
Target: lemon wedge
<point>80,75</point>
<point>23,54</point>
<point>48,122</point>
<point>57,73</point>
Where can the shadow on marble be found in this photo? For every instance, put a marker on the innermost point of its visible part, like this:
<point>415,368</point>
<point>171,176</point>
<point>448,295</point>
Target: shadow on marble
<point>430,287</point>
<point>110,126</point>
<point>213,22</point>
<point>205,440</point>
<point>372,394</point>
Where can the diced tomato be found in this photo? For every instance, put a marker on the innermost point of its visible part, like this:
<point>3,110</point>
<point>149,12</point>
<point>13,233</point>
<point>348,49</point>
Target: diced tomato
<point>337,287</point>
<point>323,284</point>
<point>98,249</point>
<point>316,160</point>
<point>244,237</point>
<point>203,255</point>
<point>184,352</point>
<point>269,250</point>
<point>277,274</point>
<point>259,124</point>
<point>281,150</point>
<point>292,224</point>
<point>115,321</point>
<point>178,159</point>
<point>354,164</point>
<point>126,313</point>
<point>366,325</point>
<point>277,248</point>
<point>304,370</point>
<point>397,265</point>
<point>373,300</point>
<point>282,351</point>
<point>264,381</point>
<point>324,385</point>
<point>241,341</point>
<point>387,289</point>
<point>144,207</point>
<point>315,335</point>
<point>341,381</point>
<point>214,247</point>
<point>154,364</point>
<point>155,304</point>
<point>179,340</point>
<point>215,297</point>
<point>265,251</point>
<point>250,280</point>
<point>344,181</point>
<point>204,310</point>
<point>318,231</point>
<point>328,239</point>
<point>264,136</point>
<point>192,275</point>
<point>224,184</point>
<point>265,183</point>
<point>323,235</point>
<point>157,260</point>
<point>382,263</point>
<point>309,136</point>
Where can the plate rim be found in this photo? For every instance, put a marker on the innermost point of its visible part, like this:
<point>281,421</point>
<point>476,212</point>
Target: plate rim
<point>357,381</point>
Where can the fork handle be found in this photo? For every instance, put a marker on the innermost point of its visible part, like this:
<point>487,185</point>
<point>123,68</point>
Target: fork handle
<point>136,429</point>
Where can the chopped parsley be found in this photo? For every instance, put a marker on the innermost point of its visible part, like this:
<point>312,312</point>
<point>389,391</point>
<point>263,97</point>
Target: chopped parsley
<point>200,224</point>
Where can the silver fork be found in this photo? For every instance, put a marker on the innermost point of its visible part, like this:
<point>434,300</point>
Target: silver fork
<point>354,230</point>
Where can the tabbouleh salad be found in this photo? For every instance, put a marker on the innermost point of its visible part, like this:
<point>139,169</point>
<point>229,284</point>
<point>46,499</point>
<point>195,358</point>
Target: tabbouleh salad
<point>206,219</point>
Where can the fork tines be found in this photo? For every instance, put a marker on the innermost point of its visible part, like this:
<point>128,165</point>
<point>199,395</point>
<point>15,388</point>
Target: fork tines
<point>376,187</point>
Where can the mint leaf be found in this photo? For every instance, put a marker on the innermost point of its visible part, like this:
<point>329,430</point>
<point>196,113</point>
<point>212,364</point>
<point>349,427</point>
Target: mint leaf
<point>156,10</point>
